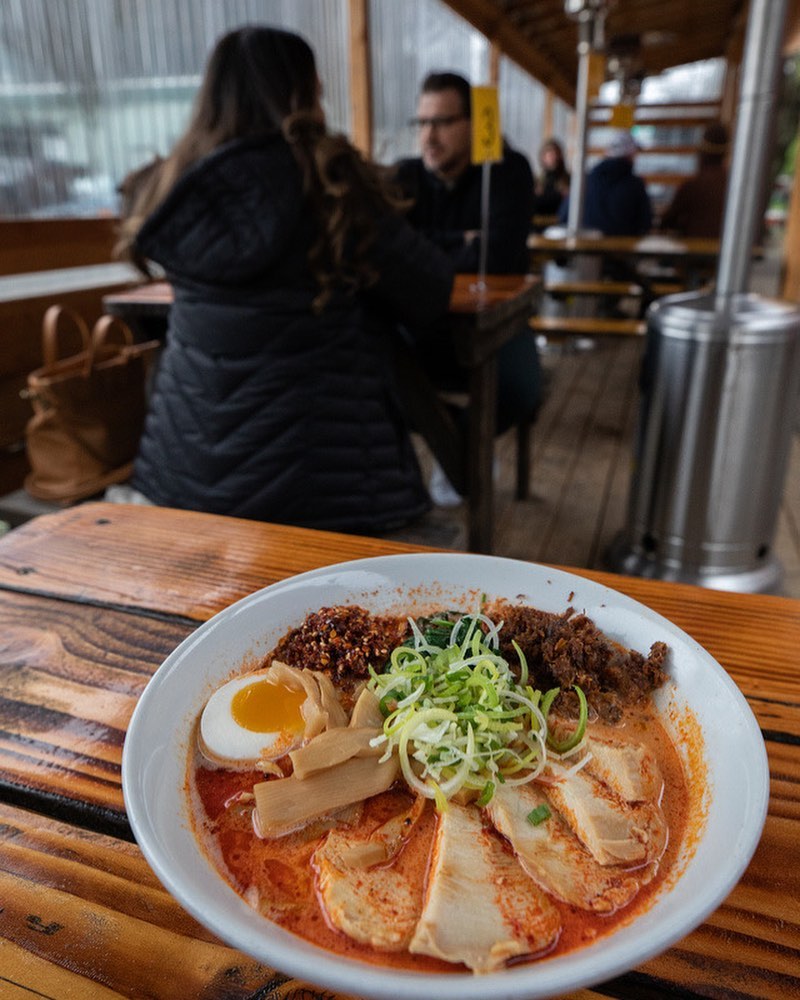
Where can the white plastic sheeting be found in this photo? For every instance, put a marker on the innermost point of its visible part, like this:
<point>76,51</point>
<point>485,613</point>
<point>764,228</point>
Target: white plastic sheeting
<point>90,89</point>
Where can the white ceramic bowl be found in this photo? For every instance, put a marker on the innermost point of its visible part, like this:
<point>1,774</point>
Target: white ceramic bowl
<point>734,799</point>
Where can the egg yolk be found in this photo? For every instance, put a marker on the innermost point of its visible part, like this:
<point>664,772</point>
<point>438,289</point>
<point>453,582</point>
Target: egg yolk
<point>262,707</point>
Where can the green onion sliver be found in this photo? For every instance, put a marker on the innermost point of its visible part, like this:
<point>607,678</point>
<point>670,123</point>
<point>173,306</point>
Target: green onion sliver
<point>457,717</point>
<point>539,814</point>
<point>564,746</point>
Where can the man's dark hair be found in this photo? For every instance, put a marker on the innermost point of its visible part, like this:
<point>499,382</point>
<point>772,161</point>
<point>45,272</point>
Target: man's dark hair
<point>435,83</point>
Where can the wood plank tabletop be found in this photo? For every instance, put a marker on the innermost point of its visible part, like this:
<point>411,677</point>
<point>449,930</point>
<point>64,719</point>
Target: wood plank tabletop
<point>93,598</point>
<point>470,294</point>
<point>653,245</point>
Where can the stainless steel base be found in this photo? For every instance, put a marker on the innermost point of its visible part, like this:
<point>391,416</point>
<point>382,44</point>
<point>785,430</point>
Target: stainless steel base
<point>623,557</point>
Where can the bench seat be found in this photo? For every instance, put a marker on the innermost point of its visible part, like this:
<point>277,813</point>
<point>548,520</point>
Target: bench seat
<point>587,326</point>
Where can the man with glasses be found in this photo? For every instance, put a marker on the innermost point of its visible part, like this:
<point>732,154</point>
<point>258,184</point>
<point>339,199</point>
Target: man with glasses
<point>446,187</point>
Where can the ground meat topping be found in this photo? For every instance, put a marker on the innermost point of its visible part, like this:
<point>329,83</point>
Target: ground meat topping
<point>566,649</point>
<point>342,641</point>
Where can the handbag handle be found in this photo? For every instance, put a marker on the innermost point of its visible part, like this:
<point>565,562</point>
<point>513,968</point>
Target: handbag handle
<point>102,328</point>
<point>51,326</point>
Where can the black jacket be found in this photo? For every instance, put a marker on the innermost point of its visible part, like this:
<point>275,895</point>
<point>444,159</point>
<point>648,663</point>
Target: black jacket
<point>261,408</point>
<point>445,213</point>
<point>616,200</point>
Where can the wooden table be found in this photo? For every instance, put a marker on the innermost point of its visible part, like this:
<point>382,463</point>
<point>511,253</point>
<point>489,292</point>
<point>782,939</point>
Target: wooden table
<point>91,601</point>
<point>691,260</point>
<point>482,319</point>
<point>641,247</point>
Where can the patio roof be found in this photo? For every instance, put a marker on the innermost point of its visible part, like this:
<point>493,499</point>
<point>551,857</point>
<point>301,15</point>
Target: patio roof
<point>652,34</point>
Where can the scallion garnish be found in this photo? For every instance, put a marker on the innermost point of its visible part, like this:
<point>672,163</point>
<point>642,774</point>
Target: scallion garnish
<point>456,715</point>
<point>539,814</point>
<point>486,795</point>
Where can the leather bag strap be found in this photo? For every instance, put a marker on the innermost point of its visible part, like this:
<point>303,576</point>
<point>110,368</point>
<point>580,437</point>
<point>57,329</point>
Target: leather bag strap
<point>104,326</point>
<point>52,327</point>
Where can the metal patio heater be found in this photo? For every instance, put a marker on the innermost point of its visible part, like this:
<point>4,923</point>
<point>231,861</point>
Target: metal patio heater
<point>720,383</point>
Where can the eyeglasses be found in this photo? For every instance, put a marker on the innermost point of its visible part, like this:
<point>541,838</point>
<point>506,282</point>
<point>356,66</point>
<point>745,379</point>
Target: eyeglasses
<point>443,122</point>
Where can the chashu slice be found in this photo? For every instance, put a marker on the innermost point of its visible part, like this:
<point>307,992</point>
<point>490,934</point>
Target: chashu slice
<point>553,856</point>
<point>362,894</point>
<point>480,907</point>
<point>615,832</point>
<point>629,769</point>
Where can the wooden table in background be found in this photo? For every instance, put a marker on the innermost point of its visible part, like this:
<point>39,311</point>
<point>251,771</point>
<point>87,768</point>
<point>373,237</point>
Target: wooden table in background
<point>482,320</point>
<point>92,599</point>
<point>668,247</point>
<point>692,260</point>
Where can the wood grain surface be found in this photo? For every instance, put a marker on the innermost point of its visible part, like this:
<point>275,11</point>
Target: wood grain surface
<point>162,561</point>
<point>93,598</point>
<point>83,916</point>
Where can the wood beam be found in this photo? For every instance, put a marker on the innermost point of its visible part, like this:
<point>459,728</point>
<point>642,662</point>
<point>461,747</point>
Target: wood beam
<point>489,20</point>
<point>360,77</point>
<point>791,243</point>
<point>730,90</point>
<point>547,118</point>
<point>792,44</point>
<point>495,53</point>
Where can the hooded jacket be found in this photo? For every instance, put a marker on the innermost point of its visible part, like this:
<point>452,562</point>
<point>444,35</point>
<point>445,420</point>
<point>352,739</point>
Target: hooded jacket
<point>616,199</point>
<point>262,408</point>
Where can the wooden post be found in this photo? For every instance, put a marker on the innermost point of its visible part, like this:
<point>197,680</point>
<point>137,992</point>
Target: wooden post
<point>730,86</point>
<point>360,77</point>
<point>547,120</point>
<point>791,241</point>
<point>494,63</point>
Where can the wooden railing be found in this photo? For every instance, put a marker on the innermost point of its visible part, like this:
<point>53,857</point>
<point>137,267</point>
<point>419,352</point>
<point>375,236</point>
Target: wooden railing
<point>44,244</point>
<point>677,115</point>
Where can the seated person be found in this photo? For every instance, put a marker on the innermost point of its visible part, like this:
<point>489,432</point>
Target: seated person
<point>291,267</point>
<point>615,201</point>
<point>698,206</point>
<point>446,186</point>
<point>552,184</point>
<point>445,192</point>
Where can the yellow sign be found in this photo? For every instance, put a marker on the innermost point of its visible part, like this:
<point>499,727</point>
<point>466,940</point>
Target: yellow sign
<point>622,116</point>
<point>487,140</point>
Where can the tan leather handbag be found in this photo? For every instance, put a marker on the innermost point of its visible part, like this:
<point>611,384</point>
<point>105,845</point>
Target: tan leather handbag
<point>88,408</point>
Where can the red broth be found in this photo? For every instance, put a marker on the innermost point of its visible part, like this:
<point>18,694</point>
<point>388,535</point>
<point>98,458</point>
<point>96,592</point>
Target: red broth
<point>283,873</point>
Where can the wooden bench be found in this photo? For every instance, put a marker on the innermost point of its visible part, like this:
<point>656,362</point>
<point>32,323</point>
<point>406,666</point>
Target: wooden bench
<point>587,326</point>
<point>617,289</point>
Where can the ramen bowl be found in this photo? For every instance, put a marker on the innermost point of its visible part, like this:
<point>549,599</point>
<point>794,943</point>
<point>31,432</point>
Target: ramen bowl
<point>715,732</point>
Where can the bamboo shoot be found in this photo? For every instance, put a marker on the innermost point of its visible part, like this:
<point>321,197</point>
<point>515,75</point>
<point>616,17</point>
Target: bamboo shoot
<point>286,804</point>
<point>333,747</point>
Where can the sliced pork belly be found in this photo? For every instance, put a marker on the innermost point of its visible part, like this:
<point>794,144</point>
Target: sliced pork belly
<point>614,831</point>
<point>362,894</point>
<point>480,907</point>
<point>629,769</point>
<point>554,857</point>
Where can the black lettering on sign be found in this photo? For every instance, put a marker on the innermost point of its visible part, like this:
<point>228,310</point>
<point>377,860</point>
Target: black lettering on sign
<point>37,924</point>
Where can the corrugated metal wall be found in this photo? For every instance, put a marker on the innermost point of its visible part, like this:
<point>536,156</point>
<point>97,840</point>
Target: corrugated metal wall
<point>90,89</point>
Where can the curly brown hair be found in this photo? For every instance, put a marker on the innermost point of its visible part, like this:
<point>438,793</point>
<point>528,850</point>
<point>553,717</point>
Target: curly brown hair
<point>260,82</point>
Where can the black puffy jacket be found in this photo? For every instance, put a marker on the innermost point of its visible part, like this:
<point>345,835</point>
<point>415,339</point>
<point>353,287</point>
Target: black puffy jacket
<point>260,408</point>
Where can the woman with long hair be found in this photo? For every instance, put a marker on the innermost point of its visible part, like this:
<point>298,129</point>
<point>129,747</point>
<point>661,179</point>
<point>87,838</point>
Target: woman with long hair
<point>552,180</point>
<point>291,266</point>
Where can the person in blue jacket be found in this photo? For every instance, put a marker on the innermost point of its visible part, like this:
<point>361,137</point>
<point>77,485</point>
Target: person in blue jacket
<point>615,199</point>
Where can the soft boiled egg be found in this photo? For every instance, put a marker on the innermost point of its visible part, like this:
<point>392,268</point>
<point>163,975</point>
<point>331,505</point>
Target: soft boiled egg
<point>252,718</point>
